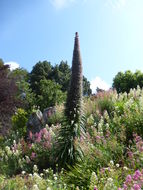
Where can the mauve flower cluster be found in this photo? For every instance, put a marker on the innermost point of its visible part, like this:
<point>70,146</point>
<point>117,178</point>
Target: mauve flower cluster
<point>139,142</point>
<point>44,137</point>
<point>133,182</point>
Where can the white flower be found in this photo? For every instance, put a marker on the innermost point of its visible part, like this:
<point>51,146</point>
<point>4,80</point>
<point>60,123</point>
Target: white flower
<point>6,158</point>
<point>110,180</point>
<point>41,174</point>
<point>16,153</point>
<point>111,162</point>
<point>47,171</point>
<point>35,168</point>
<point>8,151</point>
<point>30,175</point>
<point>48,188</point>
<point>117,165</point>
<point>35,187</point>
<point>36,176</point>
<point>23,172</point>
<point>125,168</point>
<point>27,159</point>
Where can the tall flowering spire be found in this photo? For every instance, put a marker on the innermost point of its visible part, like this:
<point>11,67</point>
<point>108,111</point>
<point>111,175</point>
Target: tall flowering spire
<point>74,97</point>
<point>67,150</point>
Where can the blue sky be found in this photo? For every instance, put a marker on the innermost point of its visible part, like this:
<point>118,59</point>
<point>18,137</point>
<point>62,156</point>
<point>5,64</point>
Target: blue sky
<point>110,31</point>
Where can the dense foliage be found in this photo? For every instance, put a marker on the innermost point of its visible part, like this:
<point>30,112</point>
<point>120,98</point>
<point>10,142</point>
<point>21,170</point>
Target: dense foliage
<point>59,73</point>
<point>112,146</point>
<point>123,82</point>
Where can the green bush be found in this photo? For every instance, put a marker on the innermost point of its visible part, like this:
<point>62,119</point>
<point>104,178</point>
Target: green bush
<point>19,121</point>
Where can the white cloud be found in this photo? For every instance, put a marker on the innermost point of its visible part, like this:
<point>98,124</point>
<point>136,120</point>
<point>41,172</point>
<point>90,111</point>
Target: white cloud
<point>98,82</point>
<point>59,4</point>
<point>13,65</point>
<point>116,4</point>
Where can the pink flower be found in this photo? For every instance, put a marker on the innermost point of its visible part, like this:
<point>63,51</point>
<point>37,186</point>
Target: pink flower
<point>98,139</point>
<point>130,154</point>
<point>95,188</point>
<point>30,146</point>
<point>128,179</point>
<point>137,175</point>
<point>38,135</point>
<point>47,145</point>
<point>33,155</point>
<point>38,139</point>
<point>30,135</point>
<point>138,138</point>
<point>125,186</point>
<point>136,187</point>
<point>44,130</point>
<point>102,170</point>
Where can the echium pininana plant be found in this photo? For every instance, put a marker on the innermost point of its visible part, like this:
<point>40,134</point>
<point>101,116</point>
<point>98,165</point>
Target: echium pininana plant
<point>70,131</point>
<point>74,97</point>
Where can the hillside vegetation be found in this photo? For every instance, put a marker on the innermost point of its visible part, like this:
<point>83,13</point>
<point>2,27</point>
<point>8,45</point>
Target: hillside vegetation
<point>80,143</point>
<point>112,147</point>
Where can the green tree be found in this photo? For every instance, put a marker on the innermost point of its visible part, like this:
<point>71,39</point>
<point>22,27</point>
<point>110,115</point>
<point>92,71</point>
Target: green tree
<point>50,94</point>
<point>59,73</point>
<point>86,87</point>
<point>20,74</point>
<point>123,82</point>
<point>24,94</point>
<point>41,71</point>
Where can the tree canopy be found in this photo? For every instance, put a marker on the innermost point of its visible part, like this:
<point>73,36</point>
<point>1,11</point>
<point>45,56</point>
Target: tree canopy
<point>59,73</point>
<point>40,71</point>
<point>123,82</point>
<point>8,91</point>
<point>46,85</point>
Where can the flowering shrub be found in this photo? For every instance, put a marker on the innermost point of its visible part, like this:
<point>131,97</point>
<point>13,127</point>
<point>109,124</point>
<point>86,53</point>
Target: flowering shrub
<point>23,154</point>
<point>133,182</point>
<point>112,148</point>
<point>41,147</point>
<point>34,181</point>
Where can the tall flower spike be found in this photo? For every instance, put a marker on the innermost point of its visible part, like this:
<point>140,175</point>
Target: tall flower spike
<point>67,151</point>
<point>74,97</point>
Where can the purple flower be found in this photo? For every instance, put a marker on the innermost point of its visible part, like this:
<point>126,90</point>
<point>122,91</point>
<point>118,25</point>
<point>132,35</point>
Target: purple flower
<point>33,155</point>
<point>136,187</point>
<point>128,179</point>
<point>130,154</point>
<point>125,186</point>
<point>44,131</point>
<point>137,175</point>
